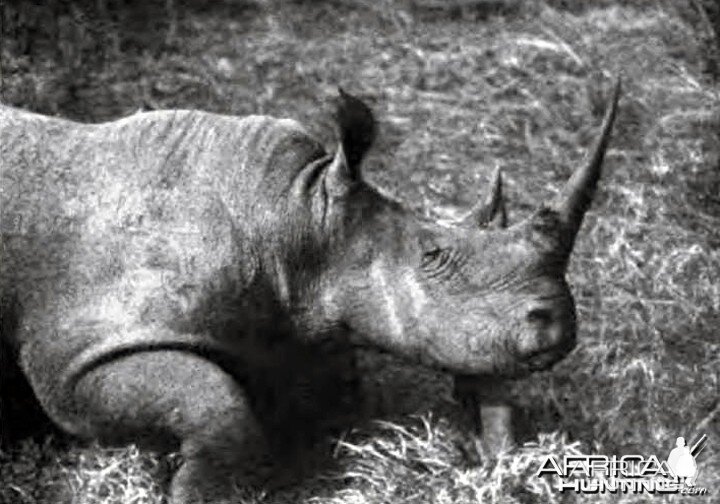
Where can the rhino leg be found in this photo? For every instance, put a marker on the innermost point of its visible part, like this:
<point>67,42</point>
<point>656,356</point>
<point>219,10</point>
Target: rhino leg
<point>484,401</point>
<point>171,400</point>
<point>496,421</point>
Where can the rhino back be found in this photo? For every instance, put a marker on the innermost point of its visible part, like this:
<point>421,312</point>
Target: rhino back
<point>116,234</point>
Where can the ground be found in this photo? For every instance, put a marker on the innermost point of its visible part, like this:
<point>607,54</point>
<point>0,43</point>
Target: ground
<point>458,91</point>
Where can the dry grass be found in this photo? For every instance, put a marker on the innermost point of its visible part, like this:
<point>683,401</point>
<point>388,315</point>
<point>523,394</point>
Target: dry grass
<point>458,94</point>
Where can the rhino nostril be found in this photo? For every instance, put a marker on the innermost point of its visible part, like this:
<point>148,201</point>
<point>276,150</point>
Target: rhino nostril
<point>540,316</point>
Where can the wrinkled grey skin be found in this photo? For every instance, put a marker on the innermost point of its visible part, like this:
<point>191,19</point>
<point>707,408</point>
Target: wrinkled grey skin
<point>158,261</point>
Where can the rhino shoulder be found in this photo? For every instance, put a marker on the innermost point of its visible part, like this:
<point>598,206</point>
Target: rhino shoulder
<point>274,141</point>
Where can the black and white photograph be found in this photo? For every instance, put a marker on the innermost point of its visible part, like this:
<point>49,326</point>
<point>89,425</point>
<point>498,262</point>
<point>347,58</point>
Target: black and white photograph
<point>359,251</point>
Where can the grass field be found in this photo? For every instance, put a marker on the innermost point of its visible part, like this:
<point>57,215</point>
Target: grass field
<point>457,91</point>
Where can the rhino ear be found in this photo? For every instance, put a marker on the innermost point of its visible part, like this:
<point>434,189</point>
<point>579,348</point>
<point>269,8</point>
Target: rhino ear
<point>357,127</point>
<point>356,130</point>
<point>490,212</point>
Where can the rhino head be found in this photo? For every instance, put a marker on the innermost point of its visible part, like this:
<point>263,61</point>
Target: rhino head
<point>473,297</point>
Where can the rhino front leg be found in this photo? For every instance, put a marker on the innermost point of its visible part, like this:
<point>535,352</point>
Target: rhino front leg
<point>177,400</point>
<point>485,401</point>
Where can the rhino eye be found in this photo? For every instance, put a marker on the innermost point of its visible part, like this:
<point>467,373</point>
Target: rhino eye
<point>434,257</point>
<point>431,256</point>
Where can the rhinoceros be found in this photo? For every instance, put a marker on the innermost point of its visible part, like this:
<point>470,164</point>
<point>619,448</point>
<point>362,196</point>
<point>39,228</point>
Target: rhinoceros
<point>156,262</point>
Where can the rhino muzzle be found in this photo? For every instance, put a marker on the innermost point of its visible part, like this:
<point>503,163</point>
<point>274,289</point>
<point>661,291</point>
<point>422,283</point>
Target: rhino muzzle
<point>553,326</point>
<point>556,336</point>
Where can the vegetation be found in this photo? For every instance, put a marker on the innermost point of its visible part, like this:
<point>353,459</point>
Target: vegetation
<point>458,91</point>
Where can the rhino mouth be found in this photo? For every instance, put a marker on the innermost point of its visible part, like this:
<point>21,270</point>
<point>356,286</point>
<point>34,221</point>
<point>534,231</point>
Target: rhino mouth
<point>547,357</point>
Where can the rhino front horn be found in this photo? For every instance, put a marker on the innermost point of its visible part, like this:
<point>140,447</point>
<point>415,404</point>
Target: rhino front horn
<point>575,198</point>
<point>490,212</point>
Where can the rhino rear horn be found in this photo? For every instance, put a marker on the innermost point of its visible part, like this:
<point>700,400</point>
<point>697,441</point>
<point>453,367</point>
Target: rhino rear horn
<point>490,212</point>
<point>577,195</point>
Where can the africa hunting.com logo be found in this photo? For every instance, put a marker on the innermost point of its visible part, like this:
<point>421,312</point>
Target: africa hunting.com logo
<point>594,474</point>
